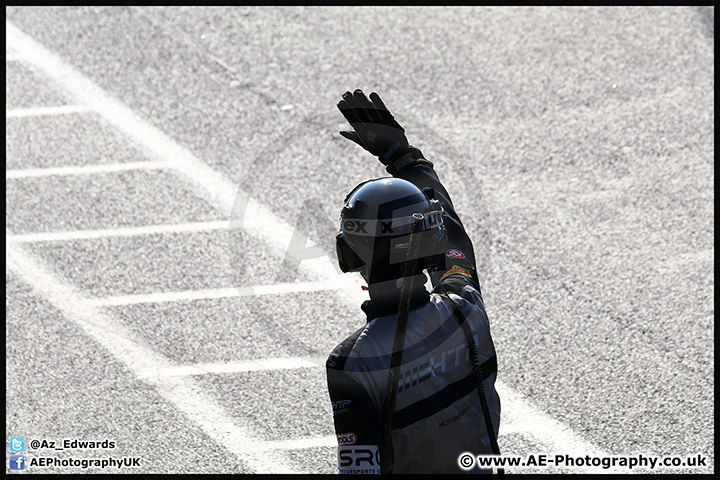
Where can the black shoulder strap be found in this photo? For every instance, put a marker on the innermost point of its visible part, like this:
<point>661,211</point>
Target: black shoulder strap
<point>482,371</point>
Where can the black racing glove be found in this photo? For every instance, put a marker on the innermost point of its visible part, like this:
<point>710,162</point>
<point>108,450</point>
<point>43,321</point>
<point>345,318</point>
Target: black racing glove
<point>376,130</point>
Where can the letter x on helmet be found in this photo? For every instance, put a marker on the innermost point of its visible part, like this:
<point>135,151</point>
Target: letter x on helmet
<point>375,226</point>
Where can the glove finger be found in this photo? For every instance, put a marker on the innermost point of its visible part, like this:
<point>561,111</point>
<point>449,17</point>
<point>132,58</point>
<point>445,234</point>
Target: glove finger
<point>380,106</point>
<point>352,111</point>
<point>355,102</point>
<point>350,100</point>
<point>349,112</point>
<point>367,106</point>
<point>352,136</point>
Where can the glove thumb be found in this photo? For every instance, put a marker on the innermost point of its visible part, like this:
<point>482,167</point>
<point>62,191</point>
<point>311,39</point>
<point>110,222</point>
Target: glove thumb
<point>352,136</point>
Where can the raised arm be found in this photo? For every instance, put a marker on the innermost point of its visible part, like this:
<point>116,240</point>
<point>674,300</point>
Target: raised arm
<point>376,130</point>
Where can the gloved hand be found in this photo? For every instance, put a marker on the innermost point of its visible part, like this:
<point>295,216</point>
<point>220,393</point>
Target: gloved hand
<point>375,129</point>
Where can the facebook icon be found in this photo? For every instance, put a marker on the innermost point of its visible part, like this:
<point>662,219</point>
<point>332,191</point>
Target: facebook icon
<point>17,462</point>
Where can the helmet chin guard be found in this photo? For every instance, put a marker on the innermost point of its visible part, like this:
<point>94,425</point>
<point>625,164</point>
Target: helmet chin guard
<point>375,227</point>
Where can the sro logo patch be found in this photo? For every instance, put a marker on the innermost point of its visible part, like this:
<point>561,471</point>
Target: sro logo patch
<point>359,459</point>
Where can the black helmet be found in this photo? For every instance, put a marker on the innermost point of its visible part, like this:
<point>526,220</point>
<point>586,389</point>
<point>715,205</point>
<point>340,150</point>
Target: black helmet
<point>375,226</point>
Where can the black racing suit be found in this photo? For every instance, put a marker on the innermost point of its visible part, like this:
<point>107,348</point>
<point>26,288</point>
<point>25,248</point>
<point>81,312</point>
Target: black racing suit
<point>438,414</point>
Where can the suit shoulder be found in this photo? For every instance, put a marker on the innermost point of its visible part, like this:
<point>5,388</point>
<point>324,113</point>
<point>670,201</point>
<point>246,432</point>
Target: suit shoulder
<point>340,353</point>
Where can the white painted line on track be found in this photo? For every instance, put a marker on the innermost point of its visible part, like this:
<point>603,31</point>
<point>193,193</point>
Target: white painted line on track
<point>182,392</point>
<point>553,435</point>
<point>46,111</point>
<point>301,442</point>
<point>258,220</point>
<point>84,169</point>
<point>214,185</point>
<point>117,232</point>
<point>214,293</point>
<point>262,364</point>
<point>547,431</point>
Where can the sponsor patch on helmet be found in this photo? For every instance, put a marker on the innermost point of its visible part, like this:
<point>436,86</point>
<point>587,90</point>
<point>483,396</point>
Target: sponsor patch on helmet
<point>355,226</point>
<point>452,253</point>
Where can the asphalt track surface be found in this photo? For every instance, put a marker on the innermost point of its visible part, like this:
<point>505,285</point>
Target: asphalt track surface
<point>163,162</point>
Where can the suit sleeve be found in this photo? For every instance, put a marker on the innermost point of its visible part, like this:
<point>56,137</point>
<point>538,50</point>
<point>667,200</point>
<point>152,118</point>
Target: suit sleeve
<point>460,267</point>
<point>358,424</point>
